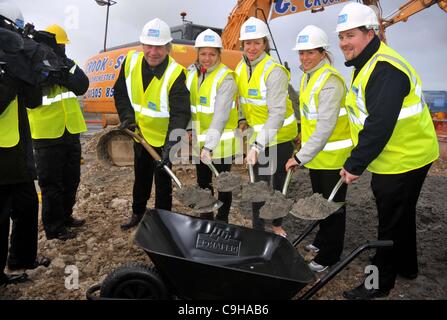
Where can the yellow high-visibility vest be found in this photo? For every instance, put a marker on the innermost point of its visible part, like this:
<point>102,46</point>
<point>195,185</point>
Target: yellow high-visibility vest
<point>60,109</point>
<point>9,125</point>
<point>413,143</point>
<point>253,100</point>
<point>151,106</point>
<point>339,145</point>
<point>202,110</point>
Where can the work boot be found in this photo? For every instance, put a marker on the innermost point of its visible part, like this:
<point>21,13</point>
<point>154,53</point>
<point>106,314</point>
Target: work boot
<point>63,235</point>
<point>6,279</point>
<point>361,293</point>
<point>74,223</point>
<point>41,261</point>
<point>133,221</point>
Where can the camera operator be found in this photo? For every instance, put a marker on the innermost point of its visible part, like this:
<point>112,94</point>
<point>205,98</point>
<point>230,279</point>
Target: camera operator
<point>55,128</point>
<point>18,197</point>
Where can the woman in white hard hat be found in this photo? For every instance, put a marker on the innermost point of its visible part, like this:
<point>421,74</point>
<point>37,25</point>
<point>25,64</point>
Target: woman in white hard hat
<point>325,138</point>
<point>263,91</point>
<point>213,90</point>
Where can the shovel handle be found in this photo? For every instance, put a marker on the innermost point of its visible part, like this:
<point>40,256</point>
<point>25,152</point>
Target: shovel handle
<point>287,181</point>
<point>335,190</point>
<point>213,169</point>
<point>251,173</point>
<point>153,154</point>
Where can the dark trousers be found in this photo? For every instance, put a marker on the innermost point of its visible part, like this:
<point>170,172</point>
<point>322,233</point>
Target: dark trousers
<point>204,180</point>
<point>396,198</point>
<point>271,168</point>
<point>331,234</point>
<point>145,170</point>
<point>59,172</point>
<point>19,203</point>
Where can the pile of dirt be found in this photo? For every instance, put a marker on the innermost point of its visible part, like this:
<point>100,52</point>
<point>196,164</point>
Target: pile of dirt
<point>104,200</point>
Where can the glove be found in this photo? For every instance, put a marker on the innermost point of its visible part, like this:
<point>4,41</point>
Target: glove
<point>128,124</point>
<point>165,160</point>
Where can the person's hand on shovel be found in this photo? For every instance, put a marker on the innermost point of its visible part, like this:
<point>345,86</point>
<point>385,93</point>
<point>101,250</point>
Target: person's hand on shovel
<point>348,177</point>
<point>293,163</point>
<point>252,156</point>
<point>205,155</point>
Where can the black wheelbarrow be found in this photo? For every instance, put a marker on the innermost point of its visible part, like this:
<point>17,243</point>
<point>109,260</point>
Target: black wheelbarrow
<point>205,259</point>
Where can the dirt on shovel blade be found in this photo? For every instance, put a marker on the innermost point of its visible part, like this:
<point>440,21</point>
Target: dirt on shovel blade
<point>277,206</point>
<point>256,192</point>
<point>228,181</point>
<point>314,207</point>
<point>195,197</point>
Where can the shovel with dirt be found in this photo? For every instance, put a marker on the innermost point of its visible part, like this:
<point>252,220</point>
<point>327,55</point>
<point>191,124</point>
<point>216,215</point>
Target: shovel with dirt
<point>277,205</point>
<point>255,191</point>
<point>226,181</point>
<point>316,207</point>
<point>198,199</point>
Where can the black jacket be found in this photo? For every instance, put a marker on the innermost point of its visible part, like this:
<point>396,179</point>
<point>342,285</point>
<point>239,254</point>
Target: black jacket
<point>384,95</point>
<point>17,163</point>
<point>179,103</point>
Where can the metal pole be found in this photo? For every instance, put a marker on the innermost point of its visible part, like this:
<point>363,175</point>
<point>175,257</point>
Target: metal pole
<point>107,22</point>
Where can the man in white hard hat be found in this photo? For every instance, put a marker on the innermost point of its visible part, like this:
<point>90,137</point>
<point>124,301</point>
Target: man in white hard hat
<point>325,136</point>
<point>18,197</point>
<point>394,139</point>
<point>157,104</point>
<point>214,115</point>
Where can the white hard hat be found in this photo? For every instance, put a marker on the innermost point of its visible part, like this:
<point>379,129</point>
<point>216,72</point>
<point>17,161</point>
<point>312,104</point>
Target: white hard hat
<point>156,33</point>
<point>355,15</point>
<point>10,11</point>
<point>253,28</point>
<point>311,37</point>
<point>208,38</point>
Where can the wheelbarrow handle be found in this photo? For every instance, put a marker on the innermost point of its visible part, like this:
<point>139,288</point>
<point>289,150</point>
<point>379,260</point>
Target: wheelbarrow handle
<point>153,154</point>
<point>335,190</point>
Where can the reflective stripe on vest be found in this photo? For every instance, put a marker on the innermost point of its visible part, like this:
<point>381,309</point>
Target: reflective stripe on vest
<point>203,100</point>
<point>9,125</point>
<point>151,104</point>
<point>59,111</point>
<point>413,143</point>
<point>339,144</point>
<point>253,100</point>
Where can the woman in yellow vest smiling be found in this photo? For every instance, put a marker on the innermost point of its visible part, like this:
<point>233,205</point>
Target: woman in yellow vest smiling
<point>263,86</point>
<point>325,136</point>
<point>213,90</point>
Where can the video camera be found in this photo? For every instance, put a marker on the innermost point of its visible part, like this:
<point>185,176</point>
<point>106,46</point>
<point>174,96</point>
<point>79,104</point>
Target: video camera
<point>32,56</point>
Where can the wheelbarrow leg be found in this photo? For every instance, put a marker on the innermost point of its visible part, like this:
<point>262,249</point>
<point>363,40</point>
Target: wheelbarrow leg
<point>308,230</point>
<point>342,264</point>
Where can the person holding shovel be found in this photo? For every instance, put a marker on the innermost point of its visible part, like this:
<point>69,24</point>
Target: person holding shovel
<point>213,90</point>
<point>326,141</point>
<point>394,138</point>
<point>263,91</point>
<point>151,95</point>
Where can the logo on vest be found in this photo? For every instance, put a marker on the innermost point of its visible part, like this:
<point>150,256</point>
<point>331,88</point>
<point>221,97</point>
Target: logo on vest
<point>218,241</point>
<point>152,106</point>
<point>252,92</point>
<point>203,100</point>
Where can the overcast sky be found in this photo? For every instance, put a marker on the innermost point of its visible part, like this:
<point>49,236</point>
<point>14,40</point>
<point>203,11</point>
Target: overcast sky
<point>422,40</point>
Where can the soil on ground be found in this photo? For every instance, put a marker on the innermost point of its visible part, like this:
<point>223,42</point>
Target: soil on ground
<point>104,200</point>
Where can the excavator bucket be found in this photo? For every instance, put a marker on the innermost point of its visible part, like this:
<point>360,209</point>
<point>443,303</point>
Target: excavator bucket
<point>115,148</point>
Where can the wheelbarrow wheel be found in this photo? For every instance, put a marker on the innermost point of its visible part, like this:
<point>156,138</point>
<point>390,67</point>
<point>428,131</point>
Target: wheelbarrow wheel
<point>134,281</point>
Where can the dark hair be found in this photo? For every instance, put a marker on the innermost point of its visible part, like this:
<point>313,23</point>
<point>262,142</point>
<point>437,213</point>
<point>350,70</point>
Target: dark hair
<point>326,53</point>
<point>365,30</point>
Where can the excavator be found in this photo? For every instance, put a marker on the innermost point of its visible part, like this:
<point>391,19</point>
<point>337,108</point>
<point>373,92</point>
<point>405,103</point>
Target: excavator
<point>103,68</point>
